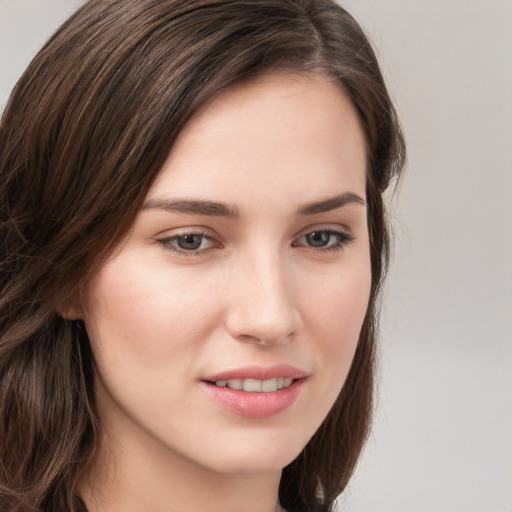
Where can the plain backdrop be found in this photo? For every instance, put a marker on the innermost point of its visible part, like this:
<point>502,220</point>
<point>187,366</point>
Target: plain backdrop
<point>442,440</point>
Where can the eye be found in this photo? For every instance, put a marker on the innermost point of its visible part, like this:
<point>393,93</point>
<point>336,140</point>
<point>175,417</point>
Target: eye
<point>324,239</point>
<point>188,243</point>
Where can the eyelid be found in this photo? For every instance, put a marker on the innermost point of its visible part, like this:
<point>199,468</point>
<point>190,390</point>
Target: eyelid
<point>345,236</point>
<point>166,240</point>
<point>186,230</point>
<point>337,228</point>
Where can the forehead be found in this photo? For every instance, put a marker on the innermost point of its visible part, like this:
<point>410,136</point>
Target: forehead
<point>286,130</point>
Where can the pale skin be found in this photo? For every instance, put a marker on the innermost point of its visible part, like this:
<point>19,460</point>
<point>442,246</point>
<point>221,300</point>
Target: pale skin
<point>252,250</point>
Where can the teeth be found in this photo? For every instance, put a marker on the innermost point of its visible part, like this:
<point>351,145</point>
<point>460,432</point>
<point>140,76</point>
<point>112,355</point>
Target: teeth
<point>254,385</point>
<point>235,384</point>
<point>269,385</point>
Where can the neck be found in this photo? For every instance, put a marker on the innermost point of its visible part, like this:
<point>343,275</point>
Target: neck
<point>135,477</point>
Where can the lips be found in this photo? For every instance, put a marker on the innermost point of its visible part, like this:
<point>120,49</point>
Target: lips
<point>256,392</point>
<point>259,373</point>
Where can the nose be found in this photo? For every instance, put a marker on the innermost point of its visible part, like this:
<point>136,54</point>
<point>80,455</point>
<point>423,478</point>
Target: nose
<point>262,307</point>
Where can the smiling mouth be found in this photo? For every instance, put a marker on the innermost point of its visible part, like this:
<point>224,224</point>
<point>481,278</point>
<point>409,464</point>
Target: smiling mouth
<point>255,385</point>
<point>256,392</point>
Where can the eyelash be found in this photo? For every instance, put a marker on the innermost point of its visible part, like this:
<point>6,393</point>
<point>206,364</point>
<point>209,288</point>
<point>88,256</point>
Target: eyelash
<point>168,243</point>
<point>343,238</point>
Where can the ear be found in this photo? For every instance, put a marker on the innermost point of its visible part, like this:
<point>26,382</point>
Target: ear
<point>71,308</point>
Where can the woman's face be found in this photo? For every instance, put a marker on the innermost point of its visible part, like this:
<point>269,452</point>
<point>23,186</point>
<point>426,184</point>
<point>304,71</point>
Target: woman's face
<point>248,267</point>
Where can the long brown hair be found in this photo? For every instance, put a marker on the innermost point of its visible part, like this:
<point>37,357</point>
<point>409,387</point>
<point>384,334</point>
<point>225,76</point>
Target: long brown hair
<point>85,133</point>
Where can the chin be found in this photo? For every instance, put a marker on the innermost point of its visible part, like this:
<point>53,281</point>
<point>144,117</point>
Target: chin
<point>266,456</point>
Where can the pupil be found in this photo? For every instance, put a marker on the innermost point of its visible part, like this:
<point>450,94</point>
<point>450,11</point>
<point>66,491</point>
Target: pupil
<point>190,242</point>
<point>319,238</point>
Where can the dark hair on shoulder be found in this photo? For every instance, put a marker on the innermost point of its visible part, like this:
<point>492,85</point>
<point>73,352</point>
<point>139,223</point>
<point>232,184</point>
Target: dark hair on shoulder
<point>85,132</point>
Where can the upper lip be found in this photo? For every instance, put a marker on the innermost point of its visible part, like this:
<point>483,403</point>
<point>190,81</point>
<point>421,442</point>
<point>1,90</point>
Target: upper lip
<point>258,373</point>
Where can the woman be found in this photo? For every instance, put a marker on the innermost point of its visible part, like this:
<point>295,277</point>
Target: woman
<point>193,243</point>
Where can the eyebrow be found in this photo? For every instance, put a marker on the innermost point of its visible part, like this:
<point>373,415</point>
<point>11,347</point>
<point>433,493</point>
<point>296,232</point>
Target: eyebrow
<point>331,203</point>
<point>193,207</point>
<point>214,209</point>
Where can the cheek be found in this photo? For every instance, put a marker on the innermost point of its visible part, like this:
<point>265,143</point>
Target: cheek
<point>145,333</point>
<point>136,313</point>
<point>339,306</point>
<point>351,304</point>
<point>335,317</point>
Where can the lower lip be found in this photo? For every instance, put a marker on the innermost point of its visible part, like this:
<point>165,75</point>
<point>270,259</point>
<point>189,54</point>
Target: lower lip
<point>255,405</point>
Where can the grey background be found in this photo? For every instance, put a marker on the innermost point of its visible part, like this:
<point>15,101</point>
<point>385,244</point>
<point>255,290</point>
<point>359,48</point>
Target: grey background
<point>442,440</point>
